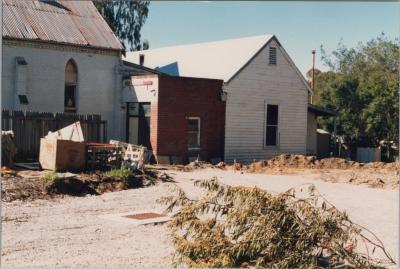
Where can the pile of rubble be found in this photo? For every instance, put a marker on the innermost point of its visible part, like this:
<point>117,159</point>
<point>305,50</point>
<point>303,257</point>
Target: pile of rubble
<point>66,150</point>
<point>29,185</point>
<point>8,149</point>
<point>311,162</point>
<point>336,170</point>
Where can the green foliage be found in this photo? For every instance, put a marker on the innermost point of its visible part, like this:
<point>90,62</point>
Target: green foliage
<point>363,86</point>
<point>53,184</point>
<point>123,174</point>
<point>245,227</point>
<point>51,177</point>
<point>126,18</point>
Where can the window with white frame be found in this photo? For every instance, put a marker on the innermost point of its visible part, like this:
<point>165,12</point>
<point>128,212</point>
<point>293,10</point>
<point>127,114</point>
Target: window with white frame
<point>193,127</point>
<point>271,126</point>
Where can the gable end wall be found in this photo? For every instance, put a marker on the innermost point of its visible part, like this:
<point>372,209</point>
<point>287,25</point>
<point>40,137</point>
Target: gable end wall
<point>255,85</point>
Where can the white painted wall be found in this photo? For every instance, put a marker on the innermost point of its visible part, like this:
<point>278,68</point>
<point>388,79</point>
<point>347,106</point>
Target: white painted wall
<point>257,84</point>
<point>45,81</point>
<point>138,92</point>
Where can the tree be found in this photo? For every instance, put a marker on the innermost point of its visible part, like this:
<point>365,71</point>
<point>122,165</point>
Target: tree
<point>126,18</point>
<point>362,86</point>
<point>235,226</point>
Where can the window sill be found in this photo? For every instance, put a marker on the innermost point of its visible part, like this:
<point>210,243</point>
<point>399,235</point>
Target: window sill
<point>193,148</point>
<point>276,147</point>
<point>70,110</point>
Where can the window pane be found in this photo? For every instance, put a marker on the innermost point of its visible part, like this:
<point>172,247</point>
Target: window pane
<point>145,110</point>
<point>192,140</point>
<point>133,109</point>
<point>193,125</point>
<point>272,115</point>
<point>69,100</point>
<point>271,136</point>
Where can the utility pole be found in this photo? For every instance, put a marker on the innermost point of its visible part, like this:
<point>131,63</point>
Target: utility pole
<point>313,73</point>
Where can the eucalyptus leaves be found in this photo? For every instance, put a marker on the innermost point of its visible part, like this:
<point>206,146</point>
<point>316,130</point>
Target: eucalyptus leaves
<point>248,227</point>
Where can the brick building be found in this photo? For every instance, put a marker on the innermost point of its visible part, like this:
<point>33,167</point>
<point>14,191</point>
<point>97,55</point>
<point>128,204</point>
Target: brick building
<point>179,118</point>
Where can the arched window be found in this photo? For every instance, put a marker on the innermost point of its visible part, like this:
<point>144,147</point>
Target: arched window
<point>71,82</point>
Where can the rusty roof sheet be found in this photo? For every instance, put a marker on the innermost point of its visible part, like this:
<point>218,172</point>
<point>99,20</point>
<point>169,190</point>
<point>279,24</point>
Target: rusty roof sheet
<point>70,22</point>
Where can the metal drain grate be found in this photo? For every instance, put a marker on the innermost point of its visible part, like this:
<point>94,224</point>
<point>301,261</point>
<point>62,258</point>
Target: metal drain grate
<point>142,216</point>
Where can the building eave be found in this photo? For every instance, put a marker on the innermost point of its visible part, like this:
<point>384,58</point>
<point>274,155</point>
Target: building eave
<point>320,111</point>
<point>39,41</point>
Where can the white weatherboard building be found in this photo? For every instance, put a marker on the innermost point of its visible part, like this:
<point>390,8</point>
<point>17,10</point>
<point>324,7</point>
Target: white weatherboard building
<point>267,96</point>
<point>61,56</point>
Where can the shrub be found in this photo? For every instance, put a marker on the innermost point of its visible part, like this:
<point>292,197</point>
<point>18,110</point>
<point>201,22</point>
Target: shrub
<point>52,182</point>
<point>50,177</point>
<point>248,227</point>
<point>124,175</point>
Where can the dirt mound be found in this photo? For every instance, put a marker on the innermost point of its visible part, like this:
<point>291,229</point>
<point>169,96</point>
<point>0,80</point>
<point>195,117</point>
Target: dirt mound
<point>33,186</point>
<point>311,162</point>
<point>336,170</point>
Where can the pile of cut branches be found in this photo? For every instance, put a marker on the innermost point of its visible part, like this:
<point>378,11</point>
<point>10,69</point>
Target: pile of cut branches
<point>245,227</point>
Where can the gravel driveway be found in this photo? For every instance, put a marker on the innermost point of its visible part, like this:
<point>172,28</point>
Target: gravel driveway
<point>70,232</point>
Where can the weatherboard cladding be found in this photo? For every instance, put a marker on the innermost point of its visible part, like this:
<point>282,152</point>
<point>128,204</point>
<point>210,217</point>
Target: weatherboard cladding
<point>255,86</point>
<point>69,22</point>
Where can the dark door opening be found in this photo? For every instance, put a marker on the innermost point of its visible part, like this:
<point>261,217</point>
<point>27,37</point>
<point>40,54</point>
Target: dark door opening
<point>138,124</point>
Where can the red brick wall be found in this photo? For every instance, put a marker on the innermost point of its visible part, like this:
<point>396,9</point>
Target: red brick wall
<point>181,97</point>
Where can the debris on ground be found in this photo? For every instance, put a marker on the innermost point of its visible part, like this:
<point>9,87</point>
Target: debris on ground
<point>67,150</point>
<point>103,156</point>
<point>6,171</point>
<point>72,132</point>
<point>64,149</point>
<point>8,148</point>
<point>196,164</point>
<point>336,170</point>
<point>30,166</point>
<point>30,185</point>
<point>311,162</point>
<point>235,226</point>
<point>134,156</point>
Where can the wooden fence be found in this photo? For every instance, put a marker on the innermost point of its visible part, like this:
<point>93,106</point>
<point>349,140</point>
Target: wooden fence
<point>29,127</point>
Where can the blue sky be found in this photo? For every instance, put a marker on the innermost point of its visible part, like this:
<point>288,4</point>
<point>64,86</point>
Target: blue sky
<point>300,26</point>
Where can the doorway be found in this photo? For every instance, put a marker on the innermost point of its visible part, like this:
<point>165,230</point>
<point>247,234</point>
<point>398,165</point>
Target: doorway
<point>138,124</point>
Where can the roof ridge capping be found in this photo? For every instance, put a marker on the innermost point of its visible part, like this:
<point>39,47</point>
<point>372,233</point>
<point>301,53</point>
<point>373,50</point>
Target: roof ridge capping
<point>266,36</point>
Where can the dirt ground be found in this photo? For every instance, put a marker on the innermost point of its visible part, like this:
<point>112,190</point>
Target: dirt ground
<point>29,185</point>
<point>70,232</point>
<point>337,170</point>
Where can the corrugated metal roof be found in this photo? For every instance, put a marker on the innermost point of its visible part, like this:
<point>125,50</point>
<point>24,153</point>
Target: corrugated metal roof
<point>71,22</point>
<point>218,59</point>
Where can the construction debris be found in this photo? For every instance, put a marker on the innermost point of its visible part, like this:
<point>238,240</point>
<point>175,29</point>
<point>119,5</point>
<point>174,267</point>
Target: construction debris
<point>134,156</point>
<point>5,171</point>
<point>62,155</point>
<point>71,132</point>
<point>336,170</point>
<point>31,185</point>
<point>8,148</point>
<point>63,150</point>
<point>311,162</point>
<point>29,166</point>
<point>103,156</point>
